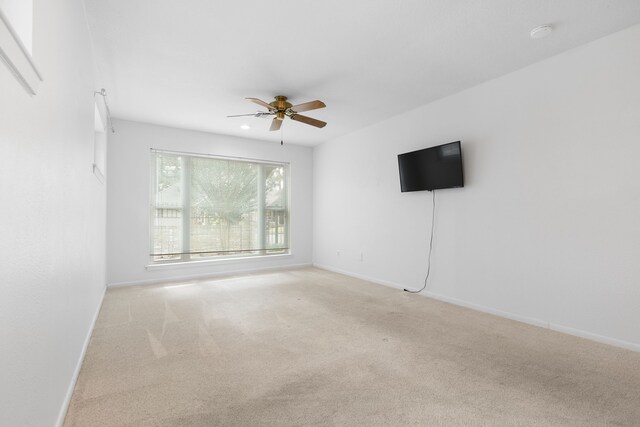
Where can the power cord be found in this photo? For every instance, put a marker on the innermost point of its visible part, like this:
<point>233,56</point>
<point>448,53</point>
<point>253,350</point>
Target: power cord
<point>433,216</point>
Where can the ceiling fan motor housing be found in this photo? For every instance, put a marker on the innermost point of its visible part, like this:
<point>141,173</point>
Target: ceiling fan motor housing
<point>281,105</point>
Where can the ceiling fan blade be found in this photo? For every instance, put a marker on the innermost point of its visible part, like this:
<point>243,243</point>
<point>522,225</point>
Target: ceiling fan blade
<point>262,103</point>
<point>243,115</point>
<point>308,120</point>
<point>275,124</point>
<point>307,106</point>
<point>258,114</point>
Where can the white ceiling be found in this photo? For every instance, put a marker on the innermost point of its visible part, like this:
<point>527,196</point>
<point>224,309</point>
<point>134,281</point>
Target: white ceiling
<point>189,64</point>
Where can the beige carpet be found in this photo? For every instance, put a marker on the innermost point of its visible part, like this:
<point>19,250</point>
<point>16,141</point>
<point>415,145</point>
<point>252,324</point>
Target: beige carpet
<point>310,347</point>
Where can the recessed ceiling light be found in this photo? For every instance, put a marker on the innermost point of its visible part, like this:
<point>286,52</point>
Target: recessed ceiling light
<point>541,31</point>
<point>245,127</point>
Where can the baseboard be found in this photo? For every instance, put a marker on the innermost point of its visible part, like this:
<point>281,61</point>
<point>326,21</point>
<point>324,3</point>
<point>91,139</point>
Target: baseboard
<point>508,315</point>
<point>484,309</point>
<point>67,400</point>
<point>360,276</point>
<point>206,275</point>
<point>595,337</point>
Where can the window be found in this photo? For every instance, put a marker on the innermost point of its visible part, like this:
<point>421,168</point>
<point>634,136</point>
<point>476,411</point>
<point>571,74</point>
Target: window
<point>99,145</point>
<point>205,207</point>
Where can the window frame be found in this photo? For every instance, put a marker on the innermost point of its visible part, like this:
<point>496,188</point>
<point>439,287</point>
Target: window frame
<point>187,258</point>
<point>99,145</point>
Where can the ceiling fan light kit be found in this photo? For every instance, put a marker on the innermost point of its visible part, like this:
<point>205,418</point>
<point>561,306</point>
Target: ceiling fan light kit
<point>281,108</point>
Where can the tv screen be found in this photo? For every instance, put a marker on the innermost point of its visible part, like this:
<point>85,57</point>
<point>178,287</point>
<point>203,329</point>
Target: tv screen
<point>432,168</point>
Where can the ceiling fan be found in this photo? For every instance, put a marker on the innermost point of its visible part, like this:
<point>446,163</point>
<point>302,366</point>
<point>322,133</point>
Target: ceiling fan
<point>280,108</point>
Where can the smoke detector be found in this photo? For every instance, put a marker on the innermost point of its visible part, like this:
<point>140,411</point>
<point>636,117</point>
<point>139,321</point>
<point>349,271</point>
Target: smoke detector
<point>541,31</point>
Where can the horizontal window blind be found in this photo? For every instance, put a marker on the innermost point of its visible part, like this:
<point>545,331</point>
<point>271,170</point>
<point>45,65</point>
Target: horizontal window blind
<point>206,206</point>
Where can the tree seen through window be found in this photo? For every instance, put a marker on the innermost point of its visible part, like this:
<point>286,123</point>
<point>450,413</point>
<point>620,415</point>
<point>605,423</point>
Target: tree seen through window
<point>209,207</point>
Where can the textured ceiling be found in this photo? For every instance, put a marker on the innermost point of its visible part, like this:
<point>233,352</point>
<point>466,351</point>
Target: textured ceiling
<point>189,64</point>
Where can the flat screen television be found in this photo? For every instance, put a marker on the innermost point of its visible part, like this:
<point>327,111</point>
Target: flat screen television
<point>432,168</point>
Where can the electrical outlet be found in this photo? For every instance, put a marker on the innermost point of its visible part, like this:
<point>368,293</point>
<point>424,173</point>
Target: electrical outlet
<point>338,252</point>
<point>361,256</point>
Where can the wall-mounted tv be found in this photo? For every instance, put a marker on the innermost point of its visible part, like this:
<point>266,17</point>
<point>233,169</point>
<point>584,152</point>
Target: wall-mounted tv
<point>432,168</point>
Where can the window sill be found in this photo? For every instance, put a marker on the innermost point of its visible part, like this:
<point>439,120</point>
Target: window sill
<point>211,262</point>
<point>16,57</point>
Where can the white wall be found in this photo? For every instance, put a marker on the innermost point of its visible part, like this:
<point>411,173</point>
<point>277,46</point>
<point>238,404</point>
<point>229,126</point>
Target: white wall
<point>52,219</point>
<point>547,228</point>
<point>128,199</point>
